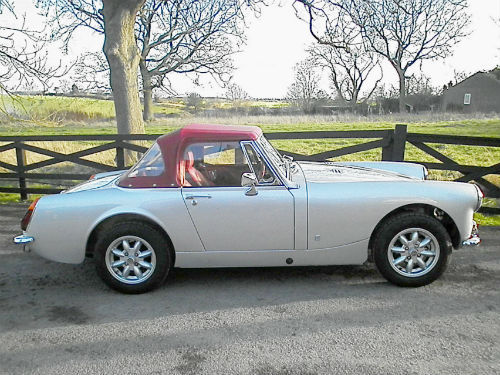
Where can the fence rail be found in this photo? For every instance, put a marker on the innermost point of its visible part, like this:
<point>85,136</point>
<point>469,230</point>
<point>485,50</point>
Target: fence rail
<point>392,142</point>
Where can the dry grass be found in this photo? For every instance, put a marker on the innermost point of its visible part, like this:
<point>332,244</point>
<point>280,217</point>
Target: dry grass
<point>460,123</point>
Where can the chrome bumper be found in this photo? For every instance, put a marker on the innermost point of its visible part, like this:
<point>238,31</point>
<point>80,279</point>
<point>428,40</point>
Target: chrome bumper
<point>23,239</point>
<point>474,239</point>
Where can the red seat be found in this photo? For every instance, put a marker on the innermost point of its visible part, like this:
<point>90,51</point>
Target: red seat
<point>197,178</point>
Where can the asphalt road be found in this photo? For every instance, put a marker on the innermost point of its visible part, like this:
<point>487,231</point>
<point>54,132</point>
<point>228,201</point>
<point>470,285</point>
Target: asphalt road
<point>60,319</point>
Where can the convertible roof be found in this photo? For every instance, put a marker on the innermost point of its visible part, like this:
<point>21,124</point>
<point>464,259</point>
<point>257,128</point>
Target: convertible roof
<point>172,145</point>
<point>216,132</point>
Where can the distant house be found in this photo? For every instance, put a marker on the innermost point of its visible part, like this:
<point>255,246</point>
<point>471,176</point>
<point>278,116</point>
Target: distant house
<point>478,93</point>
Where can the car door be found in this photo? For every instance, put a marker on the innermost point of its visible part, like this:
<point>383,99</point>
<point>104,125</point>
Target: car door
<point>226,217</point>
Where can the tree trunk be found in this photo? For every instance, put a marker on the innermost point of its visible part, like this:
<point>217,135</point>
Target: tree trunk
<point>123,57</point>
<point>354,101</point>
<point>402,90</point>
<point>147,93</point>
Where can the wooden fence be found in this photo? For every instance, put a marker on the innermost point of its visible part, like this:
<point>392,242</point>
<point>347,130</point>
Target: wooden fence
<point>392,142</point>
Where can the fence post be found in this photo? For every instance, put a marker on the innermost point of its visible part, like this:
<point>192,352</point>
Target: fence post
<point>387,150</point>
<point>120,158</point>
<point>21,162</point>
<point>399,142</point>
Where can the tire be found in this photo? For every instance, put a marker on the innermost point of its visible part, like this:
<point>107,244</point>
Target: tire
<point>408,259</point>
<point>138,246</point>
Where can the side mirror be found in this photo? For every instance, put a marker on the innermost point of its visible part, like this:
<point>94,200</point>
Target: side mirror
<point>249,180</point>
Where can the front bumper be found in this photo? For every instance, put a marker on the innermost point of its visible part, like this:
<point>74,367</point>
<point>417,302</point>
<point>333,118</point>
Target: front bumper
<point>474,238</point>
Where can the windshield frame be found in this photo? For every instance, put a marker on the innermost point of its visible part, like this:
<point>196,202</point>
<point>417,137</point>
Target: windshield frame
<point>276,160</point>
<point>272,154</point>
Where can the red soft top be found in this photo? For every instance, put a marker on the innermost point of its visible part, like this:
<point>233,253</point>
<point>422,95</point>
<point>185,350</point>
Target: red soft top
<point>173,144</point>
<point>216,132</point>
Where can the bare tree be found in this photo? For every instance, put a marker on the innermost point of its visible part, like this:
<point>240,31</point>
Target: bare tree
<point>91,72</point>
<point>420,85</point>
<point>23,60</point>
<point>460,75</point>
<point>409,32</point>
<point>341,51</point>
<point>326,20</point>
<point>305,90</point>
<point>185,36</point>
<point>116,19</point>
<point>66,16</point>
<point>122,22</point>
<point>235,92</point>
<point>404,32</point>
<point>349,70</point>
<point>123,57</point>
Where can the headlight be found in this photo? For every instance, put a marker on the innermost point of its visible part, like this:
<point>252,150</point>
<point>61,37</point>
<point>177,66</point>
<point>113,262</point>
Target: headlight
<point>480,196</point>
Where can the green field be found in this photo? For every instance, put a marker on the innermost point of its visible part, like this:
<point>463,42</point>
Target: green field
<point>54,111</point>
<point>62,115</point>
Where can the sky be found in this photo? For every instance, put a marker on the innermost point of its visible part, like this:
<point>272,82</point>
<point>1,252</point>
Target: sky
<point>277,40</point>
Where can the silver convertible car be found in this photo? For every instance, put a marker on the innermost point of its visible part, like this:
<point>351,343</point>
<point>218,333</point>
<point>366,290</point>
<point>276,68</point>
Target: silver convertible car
<point>222,196</point>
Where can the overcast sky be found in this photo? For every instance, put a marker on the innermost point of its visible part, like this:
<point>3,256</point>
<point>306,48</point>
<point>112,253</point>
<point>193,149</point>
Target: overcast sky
<point>277,40</point>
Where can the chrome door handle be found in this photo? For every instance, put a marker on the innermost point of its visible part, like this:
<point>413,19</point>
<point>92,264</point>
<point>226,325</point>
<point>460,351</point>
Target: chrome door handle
<point>193,198</point>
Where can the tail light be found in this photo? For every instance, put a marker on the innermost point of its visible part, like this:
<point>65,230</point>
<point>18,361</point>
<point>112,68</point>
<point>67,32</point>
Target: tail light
<point>27,217</point>
<point>91,177</point>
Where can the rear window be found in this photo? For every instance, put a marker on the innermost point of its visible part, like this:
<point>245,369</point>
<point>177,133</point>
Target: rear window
<point>150,165</point>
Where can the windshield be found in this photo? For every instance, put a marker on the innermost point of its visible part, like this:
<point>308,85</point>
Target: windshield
<point>274,155</point>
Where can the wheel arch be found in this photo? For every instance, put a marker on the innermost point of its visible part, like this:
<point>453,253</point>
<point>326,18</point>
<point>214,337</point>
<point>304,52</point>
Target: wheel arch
<point>448,223</point>
<point>109,221</point>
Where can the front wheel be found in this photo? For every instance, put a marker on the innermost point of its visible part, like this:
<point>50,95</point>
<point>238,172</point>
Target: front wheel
<point>132,257</point>
<point>412,249</point>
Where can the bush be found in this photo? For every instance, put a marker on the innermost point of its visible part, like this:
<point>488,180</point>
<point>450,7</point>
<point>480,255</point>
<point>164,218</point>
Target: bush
<point>194,101</point>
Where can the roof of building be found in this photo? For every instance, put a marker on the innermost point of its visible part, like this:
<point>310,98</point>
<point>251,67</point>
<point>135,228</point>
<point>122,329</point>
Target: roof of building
<point>494,74</point>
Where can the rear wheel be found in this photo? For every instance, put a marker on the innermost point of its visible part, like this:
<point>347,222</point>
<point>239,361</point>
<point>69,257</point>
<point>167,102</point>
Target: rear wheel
<point>412,249</point>
<point>132,257</point>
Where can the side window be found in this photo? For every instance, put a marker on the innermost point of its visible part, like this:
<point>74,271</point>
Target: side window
<point>213,164</point>
<point>263,174</point>
<point>150,165</point>
<point>218,155</point>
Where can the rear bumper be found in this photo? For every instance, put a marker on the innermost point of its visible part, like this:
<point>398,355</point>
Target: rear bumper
<point>23,239</point>
<point>474,238</point>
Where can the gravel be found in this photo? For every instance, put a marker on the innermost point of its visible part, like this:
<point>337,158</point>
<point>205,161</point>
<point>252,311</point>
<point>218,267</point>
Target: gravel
<point>60,319</point>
